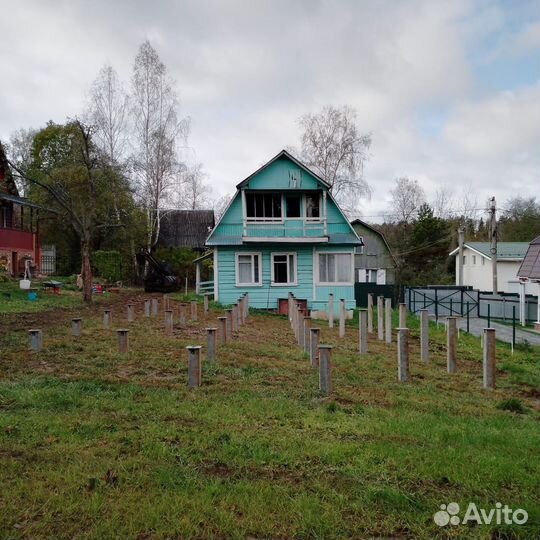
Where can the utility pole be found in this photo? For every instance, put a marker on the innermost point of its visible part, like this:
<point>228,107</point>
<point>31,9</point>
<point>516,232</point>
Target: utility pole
<point>493,241</point>
<point>461,240</point>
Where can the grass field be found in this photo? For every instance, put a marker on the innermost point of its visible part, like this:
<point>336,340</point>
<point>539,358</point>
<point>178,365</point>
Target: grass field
<point>96,445</point>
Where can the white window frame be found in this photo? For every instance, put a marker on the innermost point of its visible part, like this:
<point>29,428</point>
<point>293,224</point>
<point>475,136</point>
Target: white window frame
<point>359,250</point>
<point>368,272</point>
<point>295,258</point>
<point>334,283</point>
<point>237,268</point>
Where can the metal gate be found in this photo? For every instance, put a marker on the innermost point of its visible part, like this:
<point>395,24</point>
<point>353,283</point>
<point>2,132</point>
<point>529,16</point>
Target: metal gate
<point>444,301</point>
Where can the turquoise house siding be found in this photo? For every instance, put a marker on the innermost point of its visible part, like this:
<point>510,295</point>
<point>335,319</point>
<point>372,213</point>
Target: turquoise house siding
<point>270,233</point>
<point>266,295</point>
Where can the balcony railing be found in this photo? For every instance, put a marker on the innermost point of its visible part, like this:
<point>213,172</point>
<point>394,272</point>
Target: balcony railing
<point>287,228</point>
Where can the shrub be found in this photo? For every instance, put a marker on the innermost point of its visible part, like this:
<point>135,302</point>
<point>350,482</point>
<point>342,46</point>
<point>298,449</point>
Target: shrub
<point>108,265</point>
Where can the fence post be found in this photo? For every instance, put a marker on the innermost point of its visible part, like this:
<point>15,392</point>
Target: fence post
<point>76,327</point>
<point>235,318</point>
<point>107,319</point>
<point>388,319</point>
<point>155,307</point>
<point>211,345</point>
<point>147,308</point>
<point>330,310</point>
<point>123,341</point>
<point>514,326</point>
<point>342,318</point>
<point>182,315</point>
<point>169,321</point>
<point>489,358</point>
<point>370,313</point>
<point>194,366</point>
<point>299,326</point>
<point>489,315</point>
<point>36,340</point>
<point>130,312</point>
<point>403,354</point>
<point>206,303</point>
<point>362,331</point>
<point>222,330</point>
<point>424,335</point>
<point>451,344</point>
<point>467,317</point>
<point>165,302</point>
<point>325,369</point>
<point>194,309</point>
<point>315,335</point>
<point>307,336</point>
<point>380,318</point>
<point>229,315</point>
<point>403,315</point>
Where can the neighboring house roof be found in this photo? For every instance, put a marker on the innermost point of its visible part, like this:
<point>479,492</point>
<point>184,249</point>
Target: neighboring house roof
<point>509,251</point>
<point>373,229</point>
<point>530,267</point>
<point>281,154</point>
<point>186,228</point>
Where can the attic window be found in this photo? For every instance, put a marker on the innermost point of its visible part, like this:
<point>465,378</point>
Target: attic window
<point>313,206</point>
<point>263,206</point>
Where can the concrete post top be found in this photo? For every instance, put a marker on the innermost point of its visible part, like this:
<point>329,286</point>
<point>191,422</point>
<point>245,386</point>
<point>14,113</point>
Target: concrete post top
<point>331,294</point>
<point>193,347</point>
<point>107,310</point>
<point>228,309</point>
<point>315,330</point>
<point>426,310</point>
<point>76,319</point>
<point>342,299</point>
<point>34,330</point>
<point>489,330</point>
<point>122,330</point>
<point>402,304</point>
<point>325,347</point>
<point>169,311</point>
<point>211,329</point>
<point>222,318</point>
<point>402,329</point>
<point>130,304</point>
<point>452,317</point>
<point>307,317</point>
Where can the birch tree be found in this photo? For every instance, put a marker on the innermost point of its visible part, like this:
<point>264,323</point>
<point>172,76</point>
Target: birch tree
<point>196,192</point>
<point>157,132</point>
<point>334,147</point>
<point>407,197</point>
<point>107,112</point>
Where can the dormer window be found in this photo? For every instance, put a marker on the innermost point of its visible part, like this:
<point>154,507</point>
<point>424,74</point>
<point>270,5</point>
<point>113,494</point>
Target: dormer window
<point>263,206</point>
<point>313,205</point>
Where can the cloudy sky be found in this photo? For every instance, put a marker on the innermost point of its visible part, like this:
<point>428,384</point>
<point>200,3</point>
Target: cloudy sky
<point>450,90</point>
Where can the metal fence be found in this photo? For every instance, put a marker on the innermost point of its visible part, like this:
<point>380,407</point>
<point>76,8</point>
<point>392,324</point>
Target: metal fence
<point>361,291</point>
<point>499,306</point>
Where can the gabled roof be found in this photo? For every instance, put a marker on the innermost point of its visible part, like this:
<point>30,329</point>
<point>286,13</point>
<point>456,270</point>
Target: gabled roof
<point>510,251</point>
<point>186,228</point>
<point>281,154</point>
<point>530,267</point>
<point>376,231</point>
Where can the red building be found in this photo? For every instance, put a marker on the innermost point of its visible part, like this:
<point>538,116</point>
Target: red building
<point>19,219</point>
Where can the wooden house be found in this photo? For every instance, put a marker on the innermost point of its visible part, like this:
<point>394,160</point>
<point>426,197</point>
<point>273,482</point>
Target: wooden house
<point>19,235</point>
<point>283,232</point>
<point>374,262</point>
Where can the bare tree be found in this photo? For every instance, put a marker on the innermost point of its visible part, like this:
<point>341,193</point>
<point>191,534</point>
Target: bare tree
<point>196,192</point>
<point>20,150</point>
<point>443,202</point>
<point>220,205</point>
<point>407,197</point>
<point>108,109</point>
<point>336,150</point>
<point>157,130</point>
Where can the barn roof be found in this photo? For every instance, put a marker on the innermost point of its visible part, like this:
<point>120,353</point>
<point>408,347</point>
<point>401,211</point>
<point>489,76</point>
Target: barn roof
<point>530,267</point>
<point>186,228</point>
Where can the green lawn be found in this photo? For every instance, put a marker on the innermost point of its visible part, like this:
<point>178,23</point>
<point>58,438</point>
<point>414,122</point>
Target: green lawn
<point>95,445</point>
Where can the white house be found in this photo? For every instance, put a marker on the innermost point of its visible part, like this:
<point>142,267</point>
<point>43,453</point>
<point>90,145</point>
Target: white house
<point>477,267</point>
<point>529,275</point>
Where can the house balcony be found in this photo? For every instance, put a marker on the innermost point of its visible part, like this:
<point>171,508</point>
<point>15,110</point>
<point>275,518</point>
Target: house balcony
<point>15,239</point>
<point>285,230</point>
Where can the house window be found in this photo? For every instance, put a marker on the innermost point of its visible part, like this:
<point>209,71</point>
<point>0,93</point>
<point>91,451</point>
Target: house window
<point>474,259</point>
<point>335,268</point>
<point>313,205</point>
<point>359,250</point>
<point>248,269</point>
<point>283,268</point>
<point>294,206</point>
<point>371,275</point>
<point>263,206</point>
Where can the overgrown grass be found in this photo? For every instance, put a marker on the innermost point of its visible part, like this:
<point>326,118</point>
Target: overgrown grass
<point>97,445</point>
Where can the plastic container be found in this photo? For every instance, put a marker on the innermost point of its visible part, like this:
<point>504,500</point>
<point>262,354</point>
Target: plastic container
<point>25,284</point>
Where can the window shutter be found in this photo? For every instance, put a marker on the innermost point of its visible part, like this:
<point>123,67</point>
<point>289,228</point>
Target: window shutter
<point>361,275</point>
<point>381,276</point>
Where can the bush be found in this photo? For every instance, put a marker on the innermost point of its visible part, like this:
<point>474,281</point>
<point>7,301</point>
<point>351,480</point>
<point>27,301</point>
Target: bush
<point>108,265</point>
